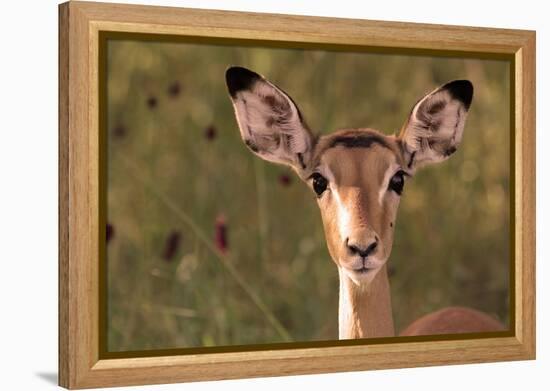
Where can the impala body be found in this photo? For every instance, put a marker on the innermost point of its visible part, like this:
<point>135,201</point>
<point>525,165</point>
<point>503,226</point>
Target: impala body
<point>358,176</point>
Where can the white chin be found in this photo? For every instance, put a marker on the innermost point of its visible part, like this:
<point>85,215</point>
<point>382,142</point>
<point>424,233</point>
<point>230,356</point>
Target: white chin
<point>361,277</point>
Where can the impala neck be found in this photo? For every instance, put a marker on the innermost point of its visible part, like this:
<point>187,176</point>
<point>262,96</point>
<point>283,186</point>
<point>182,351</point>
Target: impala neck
<point>365,312</point>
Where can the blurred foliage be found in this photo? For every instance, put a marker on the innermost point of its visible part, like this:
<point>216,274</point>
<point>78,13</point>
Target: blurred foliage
<point>209,245</point>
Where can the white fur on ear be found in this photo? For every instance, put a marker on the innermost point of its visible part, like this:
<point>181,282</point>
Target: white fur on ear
<point>270,123</point>
<point>435,127</point>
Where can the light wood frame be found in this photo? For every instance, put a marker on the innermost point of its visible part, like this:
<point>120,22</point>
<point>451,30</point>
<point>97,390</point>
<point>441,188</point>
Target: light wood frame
<point>80,365</point>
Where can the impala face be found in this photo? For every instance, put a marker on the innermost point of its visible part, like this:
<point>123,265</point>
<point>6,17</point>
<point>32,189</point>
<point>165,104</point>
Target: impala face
<point>357,175</point>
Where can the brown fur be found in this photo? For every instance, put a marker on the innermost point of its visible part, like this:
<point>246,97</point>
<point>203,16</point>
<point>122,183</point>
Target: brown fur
<point>453,320</point>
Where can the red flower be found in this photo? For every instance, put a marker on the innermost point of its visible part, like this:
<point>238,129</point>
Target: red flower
<point>285,179</point>
<point>152,102</point>
<point>221,234</point>
<point>119,131</point>
<point>174,89</point>
<point>109,232</point>
<point>171,245</point>
<point>210,132</point>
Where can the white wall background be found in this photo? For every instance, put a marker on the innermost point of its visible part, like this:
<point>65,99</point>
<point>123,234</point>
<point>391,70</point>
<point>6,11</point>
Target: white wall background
<point>28,193</point>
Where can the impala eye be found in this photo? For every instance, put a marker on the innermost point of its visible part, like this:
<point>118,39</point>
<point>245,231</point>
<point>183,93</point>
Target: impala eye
<point>397,182</point>
<point>320,183</point>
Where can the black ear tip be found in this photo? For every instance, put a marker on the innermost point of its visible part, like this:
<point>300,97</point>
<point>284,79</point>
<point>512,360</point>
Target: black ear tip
<point>463,90</point>
<point>239,78</point>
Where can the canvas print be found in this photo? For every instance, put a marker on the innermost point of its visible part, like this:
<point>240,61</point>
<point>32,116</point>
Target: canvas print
<point>261,195</point>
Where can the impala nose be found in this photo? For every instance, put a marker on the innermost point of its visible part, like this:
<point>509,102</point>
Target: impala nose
<point>362,250</point>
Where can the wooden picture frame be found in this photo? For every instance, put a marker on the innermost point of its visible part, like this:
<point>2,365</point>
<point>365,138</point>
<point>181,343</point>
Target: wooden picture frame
<point>81,363</point>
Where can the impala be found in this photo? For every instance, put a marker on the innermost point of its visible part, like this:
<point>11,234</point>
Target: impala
<point>358,176</point>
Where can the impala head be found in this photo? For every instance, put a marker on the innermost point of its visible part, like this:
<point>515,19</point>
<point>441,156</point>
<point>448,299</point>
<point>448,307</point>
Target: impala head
<point>357,175</point>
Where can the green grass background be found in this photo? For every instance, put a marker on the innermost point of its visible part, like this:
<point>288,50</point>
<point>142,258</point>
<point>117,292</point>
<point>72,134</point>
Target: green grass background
<point>276,281</point>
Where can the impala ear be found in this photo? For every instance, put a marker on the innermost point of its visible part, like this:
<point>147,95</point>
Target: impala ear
<point>270,122</point>
<point>434,129</point>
